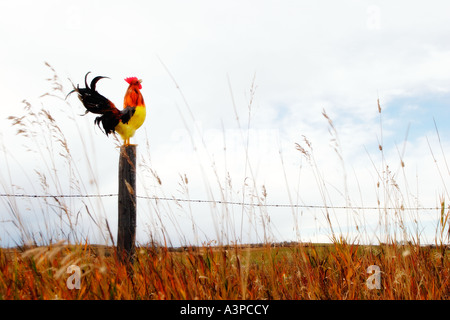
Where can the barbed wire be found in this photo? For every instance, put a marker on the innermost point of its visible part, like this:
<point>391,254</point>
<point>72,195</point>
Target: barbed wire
<point>237,203</point>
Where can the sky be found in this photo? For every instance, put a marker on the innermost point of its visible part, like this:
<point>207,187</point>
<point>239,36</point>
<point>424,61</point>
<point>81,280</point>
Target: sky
<point>230,88</point>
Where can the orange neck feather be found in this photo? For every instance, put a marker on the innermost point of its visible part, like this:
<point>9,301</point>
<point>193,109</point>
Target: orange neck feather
<point>133,97</point>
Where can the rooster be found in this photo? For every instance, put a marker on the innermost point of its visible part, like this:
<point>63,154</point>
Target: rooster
<point>125,122</point>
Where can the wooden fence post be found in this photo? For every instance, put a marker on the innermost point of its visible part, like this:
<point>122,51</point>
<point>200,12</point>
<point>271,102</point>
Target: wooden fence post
<point>126,233</point>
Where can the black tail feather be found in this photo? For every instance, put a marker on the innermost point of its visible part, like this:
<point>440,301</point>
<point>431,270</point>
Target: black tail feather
<point>95,80</point>
<point>96,103</point>
<point>85,79</point>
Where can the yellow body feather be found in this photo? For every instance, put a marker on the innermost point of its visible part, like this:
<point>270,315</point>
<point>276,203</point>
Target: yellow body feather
<point>126,131</point>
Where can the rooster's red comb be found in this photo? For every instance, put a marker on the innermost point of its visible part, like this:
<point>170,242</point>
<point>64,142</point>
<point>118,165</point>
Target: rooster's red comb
<point>133,79</point>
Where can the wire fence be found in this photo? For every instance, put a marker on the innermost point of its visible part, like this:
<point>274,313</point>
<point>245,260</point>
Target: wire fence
<point>236,203</point>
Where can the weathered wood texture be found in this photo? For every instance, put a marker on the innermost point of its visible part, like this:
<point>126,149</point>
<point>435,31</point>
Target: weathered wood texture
<point>126,234</point>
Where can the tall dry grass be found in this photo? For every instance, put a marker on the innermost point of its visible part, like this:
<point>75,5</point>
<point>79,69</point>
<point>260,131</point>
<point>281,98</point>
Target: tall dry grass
<point>299,271</point>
